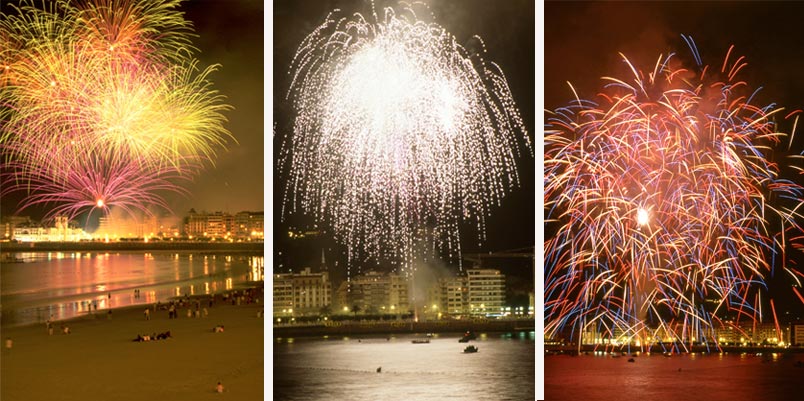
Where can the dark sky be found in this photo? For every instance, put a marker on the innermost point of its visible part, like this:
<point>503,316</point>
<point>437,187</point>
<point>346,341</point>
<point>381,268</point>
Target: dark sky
<point>582,41</point>
<point>231,34</point>
<point>507,27</point>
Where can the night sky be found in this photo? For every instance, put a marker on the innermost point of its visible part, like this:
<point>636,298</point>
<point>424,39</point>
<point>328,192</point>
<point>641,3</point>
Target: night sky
<point>507,27</point>
<point>582,41</point>
<point>231,34</point>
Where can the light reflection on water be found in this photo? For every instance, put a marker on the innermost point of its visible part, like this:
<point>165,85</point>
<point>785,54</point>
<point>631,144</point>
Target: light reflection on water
<point>709,377</point>
<point>345,369</point>
<point>68,284</point>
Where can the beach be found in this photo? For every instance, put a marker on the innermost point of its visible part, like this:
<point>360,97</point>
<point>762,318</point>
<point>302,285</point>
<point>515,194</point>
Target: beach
<point>99,360</point>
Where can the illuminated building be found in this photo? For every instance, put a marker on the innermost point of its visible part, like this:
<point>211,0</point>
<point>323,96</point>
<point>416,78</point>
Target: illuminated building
<point>797,334</point>
<point>486,291</point>
<point>243,225</point>
<point>376,293</point>
<point>12,222</point>
<point>60,232</point>
<point>457,295</point>
<point>301,294</point>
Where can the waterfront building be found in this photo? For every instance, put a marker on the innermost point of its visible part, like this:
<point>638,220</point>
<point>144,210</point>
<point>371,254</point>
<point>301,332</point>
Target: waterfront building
<point>436,300</point>
<point>301,294</point>
<point>243,225</point>
<point>797,334</point>
<point>249,224</point>
<point>61,231</point>
<point>114,228</point>
<point>195,224</point>
<point>283,295</point>
<point>10,223</point>
<point>478,292</point>
<point>376,293</point>
<point>486,292</point>
<point>457,295</point>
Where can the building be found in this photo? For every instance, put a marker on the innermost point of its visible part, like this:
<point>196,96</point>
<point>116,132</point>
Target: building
<point>486,292</point>
<point>376,293</point>
<point>283,295</point>
<point>12,222</point>
<point>242,226</point>
<point>195,224</point>
<point>115,228</point>
<point>456,290</point>
<point>60,232</point>
<point>249,224</point>
<point>797,334</point>
<point>301,294</point>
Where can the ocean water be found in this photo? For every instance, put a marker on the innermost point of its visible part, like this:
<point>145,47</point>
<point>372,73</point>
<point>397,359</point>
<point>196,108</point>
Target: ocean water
<point>65,284</point>
<point>690,377</point>
<point>341,368</point>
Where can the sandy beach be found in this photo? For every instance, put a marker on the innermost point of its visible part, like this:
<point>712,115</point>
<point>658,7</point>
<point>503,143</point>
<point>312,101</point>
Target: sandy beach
<point>99,360</point>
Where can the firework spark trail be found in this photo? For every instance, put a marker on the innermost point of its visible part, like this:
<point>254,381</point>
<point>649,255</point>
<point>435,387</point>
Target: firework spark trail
<point>110,81</point>
<point>662,194</point>
<point>96,182</point>
<point>398,130</point>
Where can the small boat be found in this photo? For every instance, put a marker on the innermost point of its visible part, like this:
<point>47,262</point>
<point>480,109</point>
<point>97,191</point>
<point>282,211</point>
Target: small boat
<point>421,341</point>
<point>467,336</point>
<point>470,349</point>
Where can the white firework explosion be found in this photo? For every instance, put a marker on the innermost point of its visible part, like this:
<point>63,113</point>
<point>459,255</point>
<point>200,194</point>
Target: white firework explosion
<point>401,135</point>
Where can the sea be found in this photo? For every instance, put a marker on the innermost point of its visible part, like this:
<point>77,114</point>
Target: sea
<point>690,377</point>
<point>37,286</point>
<point>346,368</point>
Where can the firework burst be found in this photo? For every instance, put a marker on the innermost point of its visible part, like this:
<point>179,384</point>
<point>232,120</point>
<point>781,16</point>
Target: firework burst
<point>662,193</point>
<point>96,94</point>
<point>400,135</point>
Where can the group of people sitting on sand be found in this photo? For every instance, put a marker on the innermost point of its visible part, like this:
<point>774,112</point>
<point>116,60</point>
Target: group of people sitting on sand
<point>218,329</point>
<point>153,337</point>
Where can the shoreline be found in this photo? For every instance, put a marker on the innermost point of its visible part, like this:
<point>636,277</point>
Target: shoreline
<point>98,246</point>
<point>100,356</point>
<point>101,314</point>
<point>402,327</point>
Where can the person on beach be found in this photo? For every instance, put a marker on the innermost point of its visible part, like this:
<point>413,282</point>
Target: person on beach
<point>219,387</point>
<point>10,343</point>
<point>147,314</point>
<point>206,312</point>
<point>109,315</point>
<point>189,312</point>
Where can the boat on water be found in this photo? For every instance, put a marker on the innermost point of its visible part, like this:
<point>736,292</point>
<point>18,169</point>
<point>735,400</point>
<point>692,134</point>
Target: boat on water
<point>470,349</point>
<point>425,341</point>
<point>469,335</point>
